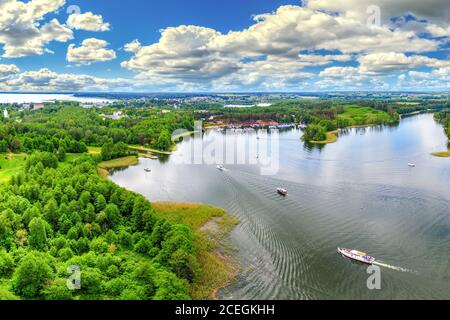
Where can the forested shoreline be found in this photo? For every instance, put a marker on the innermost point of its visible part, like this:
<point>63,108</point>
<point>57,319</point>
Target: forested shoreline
<point>70,128</point>
<point>443,117</point>
<point>323,117</point>
<point>65,127</point>
<point>53,216</point>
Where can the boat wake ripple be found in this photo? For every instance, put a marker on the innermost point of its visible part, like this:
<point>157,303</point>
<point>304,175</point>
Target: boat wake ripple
<point>385,265</point>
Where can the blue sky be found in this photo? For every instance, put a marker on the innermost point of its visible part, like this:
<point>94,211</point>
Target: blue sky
<point>234,45</point>
<point>140,19</point>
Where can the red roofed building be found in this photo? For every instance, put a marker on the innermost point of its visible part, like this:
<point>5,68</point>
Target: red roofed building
<point>38,106</point>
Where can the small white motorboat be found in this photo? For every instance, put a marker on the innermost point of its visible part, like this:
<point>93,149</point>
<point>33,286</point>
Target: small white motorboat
<point>220,168</point>
<point>147,170</point>
<point>356,255</point>
<point>282,191</point>
<point>412,165</point>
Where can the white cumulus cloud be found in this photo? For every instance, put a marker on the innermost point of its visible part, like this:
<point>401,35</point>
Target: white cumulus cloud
<point>133,46</point>
<point>22,31</point>
<point>8,70</point>
<point>87,21</point>
<point>91,50</point>
<point>278,45</point>
<point>47,80</point>
<point>391,62</point>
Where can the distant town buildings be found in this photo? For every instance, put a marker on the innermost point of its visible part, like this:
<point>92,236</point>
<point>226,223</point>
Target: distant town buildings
<point>102,104</point>
<point>27,106</point>
<point>38,106</point>
<point>91,105</point>
<point>115,116</point>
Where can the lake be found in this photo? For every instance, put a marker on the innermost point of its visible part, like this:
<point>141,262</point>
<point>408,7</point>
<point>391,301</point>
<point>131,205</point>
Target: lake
<point>358,193</point>
<point>43,97</point>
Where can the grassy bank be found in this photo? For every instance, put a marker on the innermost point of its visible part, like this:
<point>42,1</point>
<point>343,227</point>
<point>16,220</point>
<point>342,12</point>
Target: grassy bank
<point>144,149</point>
<point>11,165</point>
<point>184,134</point>
<point>119,163</point>
<point>94,150</point>
<point>147,156</point>
<point>211,226</point>
<point>445,154</point>
<point>357,115</point>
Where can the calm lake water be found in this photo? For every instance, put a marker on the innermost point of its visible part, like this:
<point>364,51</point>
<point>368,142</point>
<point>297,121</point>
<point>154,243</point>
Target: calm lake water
<point>43,97</point>
<point>357,193</point>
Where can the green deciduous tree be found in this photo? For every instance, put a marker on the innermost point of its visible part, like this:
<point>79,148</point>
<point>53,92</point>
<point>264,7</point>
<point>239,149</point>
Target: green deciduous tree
<point>51,212</point>
<point>315,133</point>
<point>170,287</point>
<point>32,275</point>
<point>39,230</point>
<point>57,290</point>
<point>6,263</point>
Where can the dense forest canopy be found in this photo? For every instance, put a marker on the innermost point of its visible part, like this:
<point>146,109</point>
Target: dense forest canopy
<point>57,215</point>
<point>62,126</point>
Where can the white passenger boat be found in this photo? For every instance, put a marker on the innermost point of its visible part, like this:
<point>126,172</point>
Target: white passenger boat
<point>282,191</point>
<point>412,165</point>
<point>220,168</point>
<point>148,170</point>
<point>357,255</point>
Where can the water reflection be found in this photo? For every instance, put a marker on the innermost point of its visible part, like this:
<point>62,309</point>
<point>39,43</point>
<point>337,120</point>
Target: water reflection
<point>310,147</point>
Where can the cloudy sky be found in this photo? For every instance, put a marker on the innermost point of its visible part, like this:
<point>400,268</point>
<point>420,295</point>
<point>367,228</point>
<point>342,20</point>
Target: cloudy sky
<point>221,46</point>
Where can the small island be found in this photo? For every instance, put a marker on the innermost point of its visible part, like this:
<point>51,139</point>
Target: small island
<point>315,134</point>
<point>323,128</point>
<point>444,154</point>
